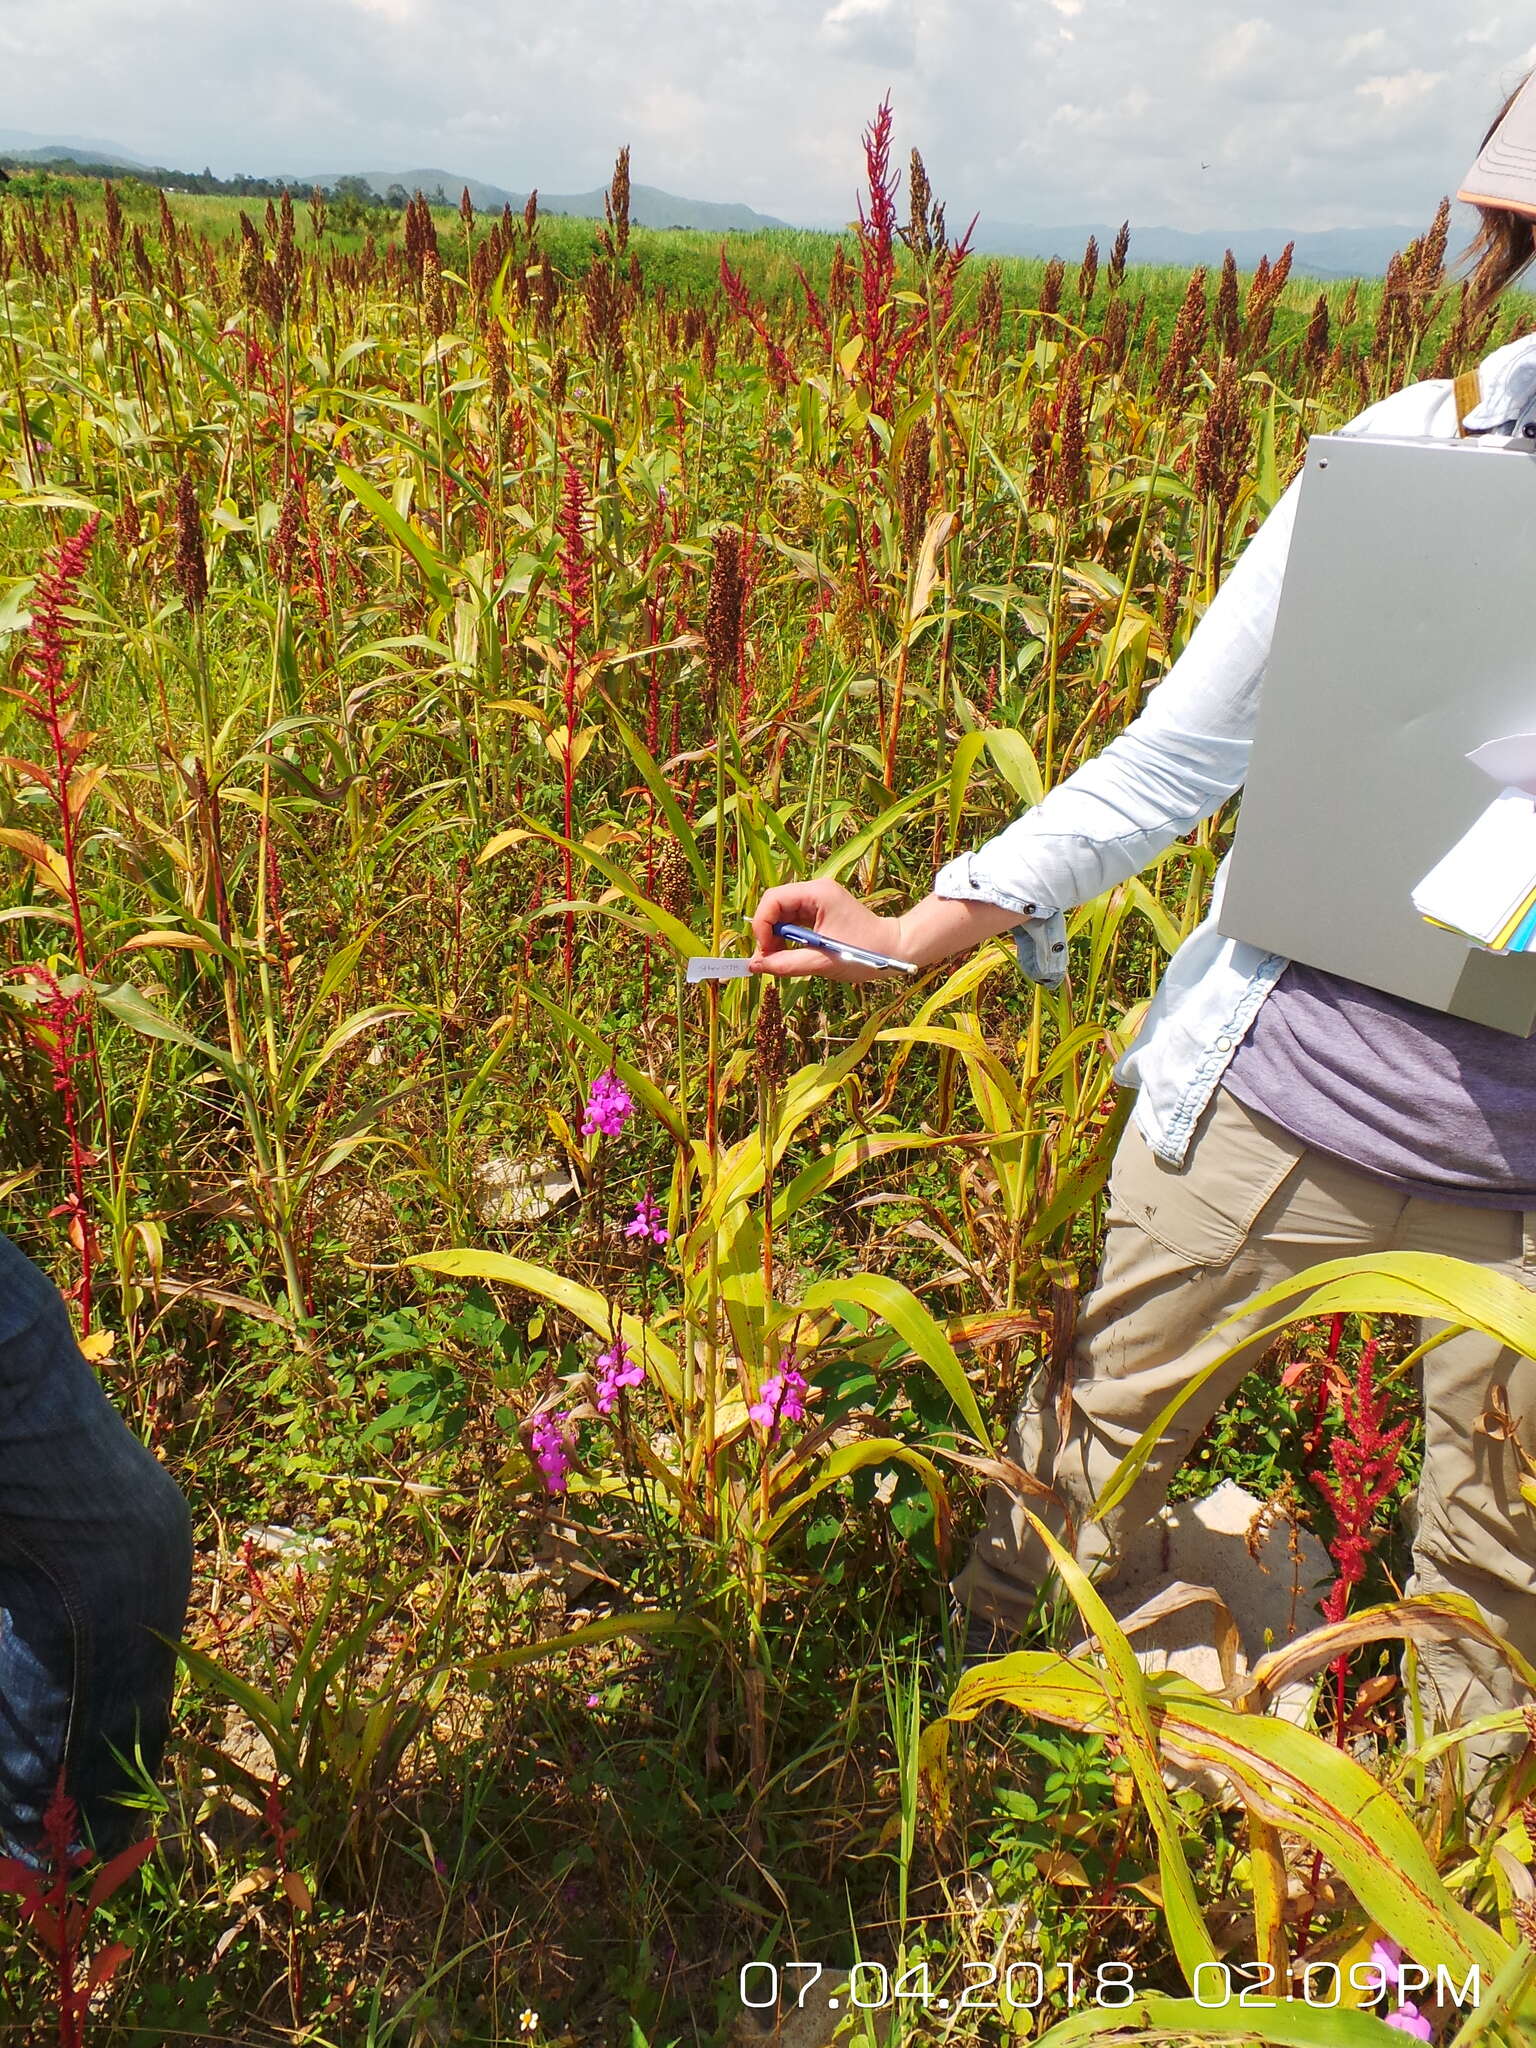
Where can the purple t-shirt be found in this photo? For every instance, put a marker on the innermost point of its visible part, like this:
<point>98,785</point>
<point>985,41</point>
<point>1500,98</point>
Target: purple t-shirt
<point>1441,1108</point>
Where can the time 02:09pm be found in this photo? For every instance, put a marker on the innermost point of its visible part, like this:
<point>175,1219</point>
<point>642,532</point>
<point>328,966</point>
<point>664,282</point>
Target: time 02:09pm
<point>868,1987</point>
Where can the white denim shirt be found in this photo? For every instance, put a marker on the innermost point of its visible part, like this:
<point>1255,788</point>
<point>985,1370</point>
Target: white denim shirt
<point>1174,766</point>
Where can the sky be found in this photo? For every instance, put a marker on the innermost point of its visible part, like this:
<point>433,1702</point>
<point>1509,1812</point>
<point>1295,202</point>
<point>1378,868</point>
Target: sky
<point>1305,114</point>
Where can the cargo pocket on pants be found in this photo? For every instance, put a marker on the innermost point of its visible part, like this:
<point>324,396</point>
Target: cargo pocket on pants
<point>1203,1210</point>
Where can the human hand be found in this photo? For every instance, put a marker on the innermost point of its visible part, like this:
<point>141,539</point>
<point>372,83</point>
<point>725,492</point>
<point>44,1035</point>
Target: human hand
<point>823,906</point>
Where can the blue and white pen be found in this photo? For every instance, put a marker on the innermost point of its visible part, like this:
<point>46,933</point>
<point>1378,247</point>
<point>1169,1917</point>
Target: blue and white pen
<point>801,935</point>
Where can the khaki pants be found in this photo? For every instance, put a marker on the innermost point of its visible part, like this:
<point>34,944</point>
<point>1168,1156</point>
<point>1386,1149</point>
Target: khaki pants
<point>1185,1247</point>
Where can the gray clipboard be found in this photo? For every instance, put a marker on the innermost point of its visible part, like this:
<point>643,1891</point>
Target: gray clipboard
<point>1404,638</point>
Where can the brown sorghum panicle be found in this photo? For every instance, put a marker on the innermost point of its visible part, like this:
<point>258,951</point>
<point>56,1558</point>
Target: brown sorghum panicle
<point>114,219</point>
<point>917,234</point>
<point>916,484</point>
<point>674,879</point>
<point>772,1045</point>
<point>1069,470</point>
<point>1118,256</point>
<point>1228,307</point>
<point>1114,339</point>
<point>1221,454</point>
<point>989,302</point>
<point>1173,597</point>
<point>1314,350</point>
<point>1088,275</point>
<point>722,618</point>
<point>191,567</point>
<point>1188,336</point>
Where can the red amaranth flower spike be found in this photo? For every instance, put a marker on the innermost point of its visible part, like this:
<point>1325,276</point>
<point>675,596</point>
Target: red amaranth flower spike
<point>1366,1463</point>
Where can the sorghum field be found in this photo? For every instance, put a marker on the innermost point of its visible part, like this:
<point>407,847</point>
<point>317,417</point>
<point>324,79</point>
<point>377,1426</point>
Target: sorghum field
<point>583,1381</point>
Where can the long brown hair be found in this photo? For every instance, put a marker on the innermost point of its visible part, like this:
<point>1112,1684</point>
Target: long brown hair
<point>1505,244</point>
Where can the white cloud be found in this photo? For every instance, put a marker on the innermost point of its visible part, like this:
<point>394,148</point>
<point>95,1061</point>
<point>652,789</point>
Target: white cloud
<point>1367,45</point>
<point>876,32</point>
<point>1240,49</point>
<point>1401,89</point>
<point>1187,113</point>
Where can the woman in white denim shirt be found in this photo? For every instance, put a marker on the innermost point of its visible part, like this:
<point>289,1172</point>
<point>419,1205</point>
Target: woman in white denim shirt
<point>1219,1191</point>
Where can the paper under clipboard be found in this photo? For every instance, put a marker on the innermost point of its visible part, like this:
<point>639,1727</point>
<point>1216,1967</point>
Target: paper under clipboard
<point>1485,888</point>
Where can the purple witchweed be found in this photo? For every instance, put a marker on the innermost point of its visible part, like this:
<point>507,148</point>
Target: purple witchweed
<point>615,1369</point>
<point>646,1221</point>
<point>609,1104</point>
<point>780,1398</point>
<point>552,1438</point>
<point>1387,1957</point>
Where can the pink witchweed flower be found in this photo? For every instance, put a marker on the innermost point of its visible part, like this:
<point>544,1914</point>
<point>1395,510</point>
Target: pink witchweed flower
<point>780,1398</point>
<point>615,1369</point>
<point>609,1104</point>
<point>646,1221</point>
<point>1387,1957</point>
<point>552,1438</point>
<point>1409,2020</point>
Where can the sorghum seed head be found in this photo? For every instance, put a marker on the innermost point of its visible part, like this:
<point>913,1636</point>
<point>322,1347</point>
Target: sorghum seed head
<point>772,1048</point>
<point>191,565</point>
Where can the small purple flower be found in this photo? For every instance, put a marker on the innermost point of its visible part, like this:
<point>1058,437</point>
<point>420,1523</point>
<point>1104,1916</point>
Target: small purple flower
<point>594,1699</point>
<point>615,1369</point>
<point>780,1398</point>
<point>1387,1957</point>
<point>646,1221</point>
<point>552,1439</point>
<point>609,1104</point>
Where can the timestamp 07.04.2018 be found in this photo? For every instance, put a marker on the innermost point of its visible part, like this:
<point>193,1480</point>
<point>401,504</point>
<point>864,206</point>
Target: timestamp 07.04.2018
<point>1027,1986</point>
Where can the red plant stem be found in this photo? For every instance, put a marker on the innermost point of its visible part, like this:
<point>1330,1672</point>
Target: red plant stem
<point>574,601</point>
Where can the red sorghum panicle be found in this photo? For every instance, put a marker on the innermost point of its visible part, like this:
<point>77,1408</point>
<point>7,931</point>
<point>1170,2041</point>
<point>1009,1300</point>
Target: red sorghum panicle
<point>1088,275</point>
<point>772,1045</point>
<point>916,486</point>
<point>989,302</point>
<point>1184,344</point>
<point>723,616</point>
<point>1070,475</point>
<point>1221,453</point>
<point>112,207</point>
<point>1115,335</point>
<point>191,566</point>
<point>1314,350</point>
<point>1115,275</point>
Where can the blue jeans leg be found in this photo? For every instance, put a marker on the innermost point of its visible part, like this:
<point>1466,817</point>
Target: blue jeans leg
<point>95,1556</point>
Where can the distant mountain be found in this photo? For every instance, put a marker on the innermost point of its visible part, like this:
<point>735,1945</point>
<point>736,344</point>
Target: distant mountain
<point>648,207</point>
<point>64,149</point>
<point>1327,253</point>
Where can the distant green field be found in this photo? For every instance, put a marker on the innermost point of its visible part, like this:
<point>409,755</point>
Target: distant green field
<point>687,261</point>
